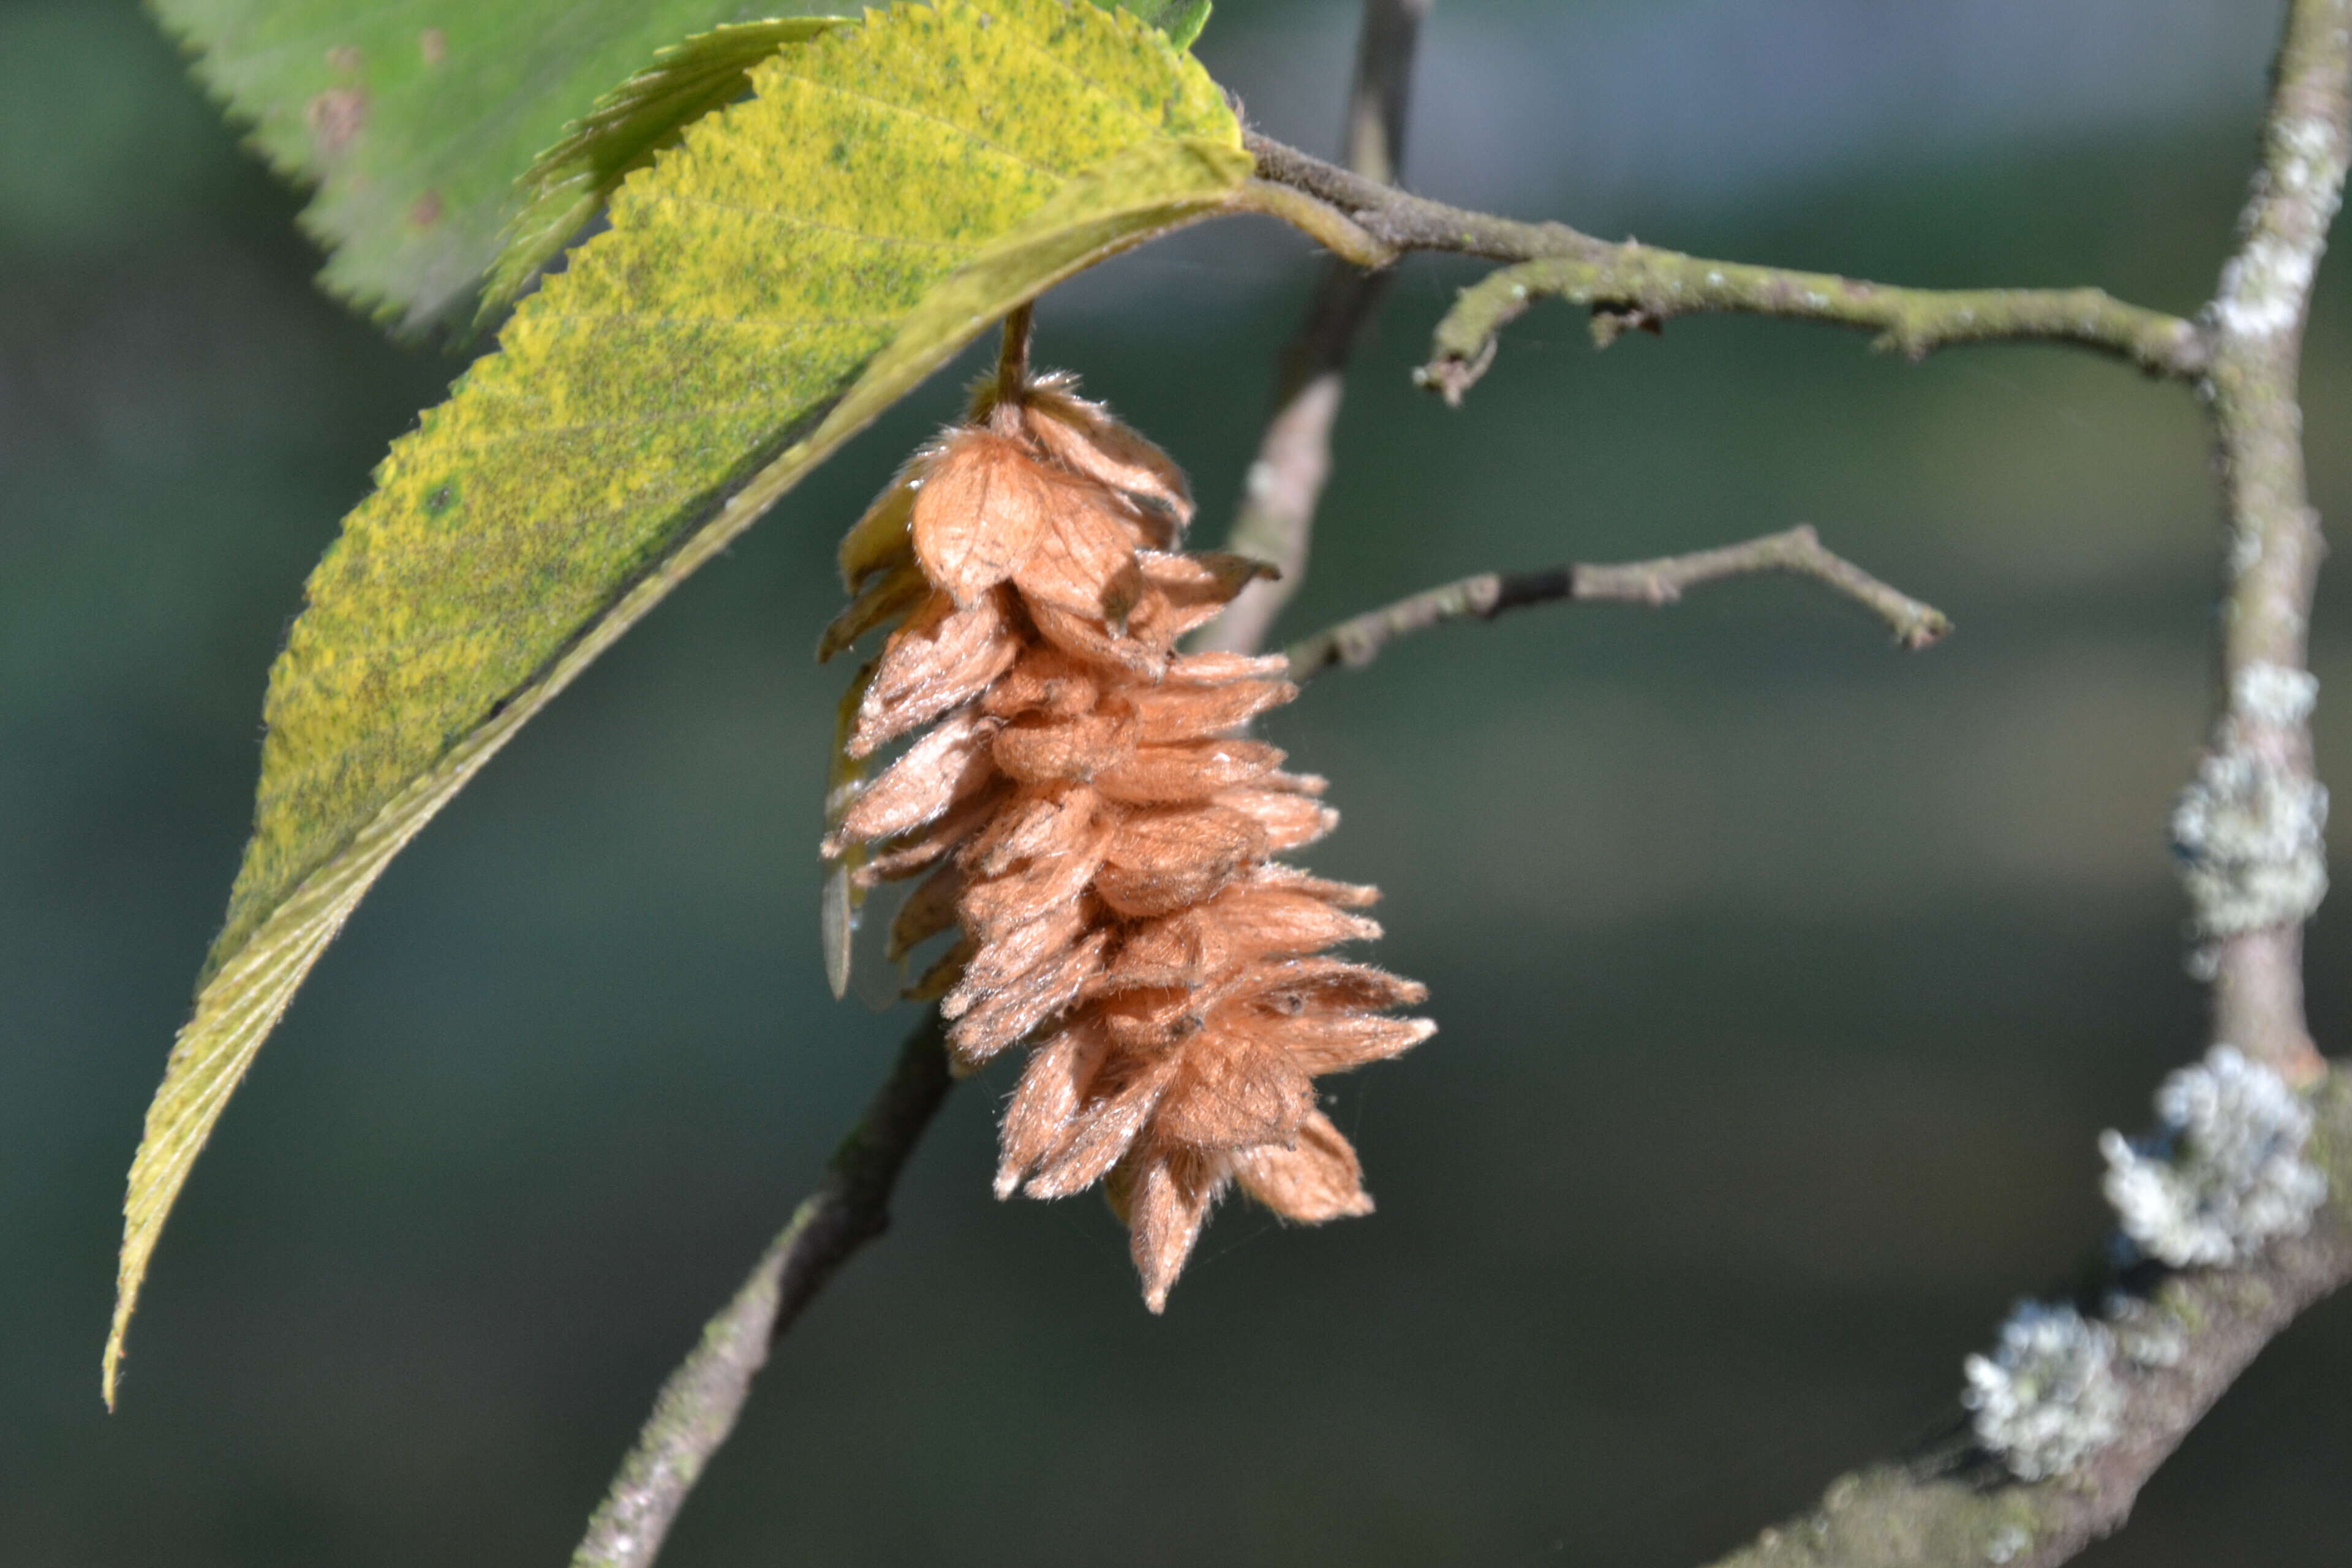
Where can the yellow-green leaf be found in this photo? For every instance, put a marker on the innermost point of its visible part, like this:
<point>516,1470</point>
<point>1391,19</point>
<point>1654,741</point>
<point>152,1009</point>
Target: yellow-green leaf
<point>794,265</point>
<point>567,185</point>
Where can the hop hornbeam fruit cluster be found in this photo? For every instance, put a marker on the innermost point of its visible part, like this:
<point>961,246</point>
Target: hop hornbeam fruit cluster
<point>1088,815</point>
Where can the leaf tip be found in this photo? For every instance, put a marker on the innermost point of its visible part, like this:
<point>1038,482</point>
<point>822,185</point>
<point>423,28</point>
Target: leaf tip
<point>109,1374</point>
<point>129,1273</point>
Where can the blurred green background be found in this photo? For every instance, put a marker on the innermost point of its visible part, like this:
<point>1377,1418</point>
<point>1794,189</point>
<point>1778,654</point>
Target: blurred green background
<point>1785,981</point>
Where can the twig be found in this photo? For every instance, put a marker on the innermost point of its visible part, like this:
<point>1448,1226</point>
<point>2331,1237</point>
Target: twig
<point>1358,640</point>
<point>1631,284</point>
<point>1276,517</point>
<point>1012,354</point>
<point>1949,1506</point>
<point>697,1409</point>
<point>698,1406</point>
<point>2250,899</point>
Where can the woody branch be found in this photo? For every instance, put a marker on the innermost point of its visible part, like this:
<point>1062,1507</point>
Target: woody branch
<point>1358,640</point>
<point>2249,828</point>
<point>697,1409</point>
<point>1285,484</point>
<point>1949,1504</point>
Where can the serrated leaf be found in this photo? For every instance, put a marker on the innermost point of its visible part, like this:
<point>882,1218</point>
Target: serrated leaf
<point>799,262</point>
<point>415,117</point>
<point>567,185</point>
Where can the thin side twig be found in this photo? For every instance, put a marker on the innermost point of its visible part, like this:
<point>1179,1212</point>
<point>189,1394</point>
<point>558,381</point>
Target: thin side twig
<point>1358,639</point>
<point>1631,284</point>
<point>1276,517</point>
<point>697,1409</point>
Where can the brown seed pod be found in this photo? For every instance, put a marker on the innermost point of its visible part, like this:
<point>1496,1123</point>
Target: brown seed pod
<point>1086,813</point>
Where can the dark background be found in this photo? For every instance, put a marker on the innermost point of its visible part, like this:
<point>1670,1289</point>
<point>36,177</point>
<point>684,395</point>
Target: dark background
<point>1785,981</point>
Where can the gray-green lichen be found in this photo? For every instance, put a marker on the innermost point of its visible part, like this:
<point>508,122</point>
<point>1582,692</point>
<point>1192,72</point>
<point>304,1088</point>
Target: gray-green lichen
<point>2048,1397</point>
<point>2266,285</point>
<point>2223,1173</point>
<point>2251,836</point>
<point>2272,693</point>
